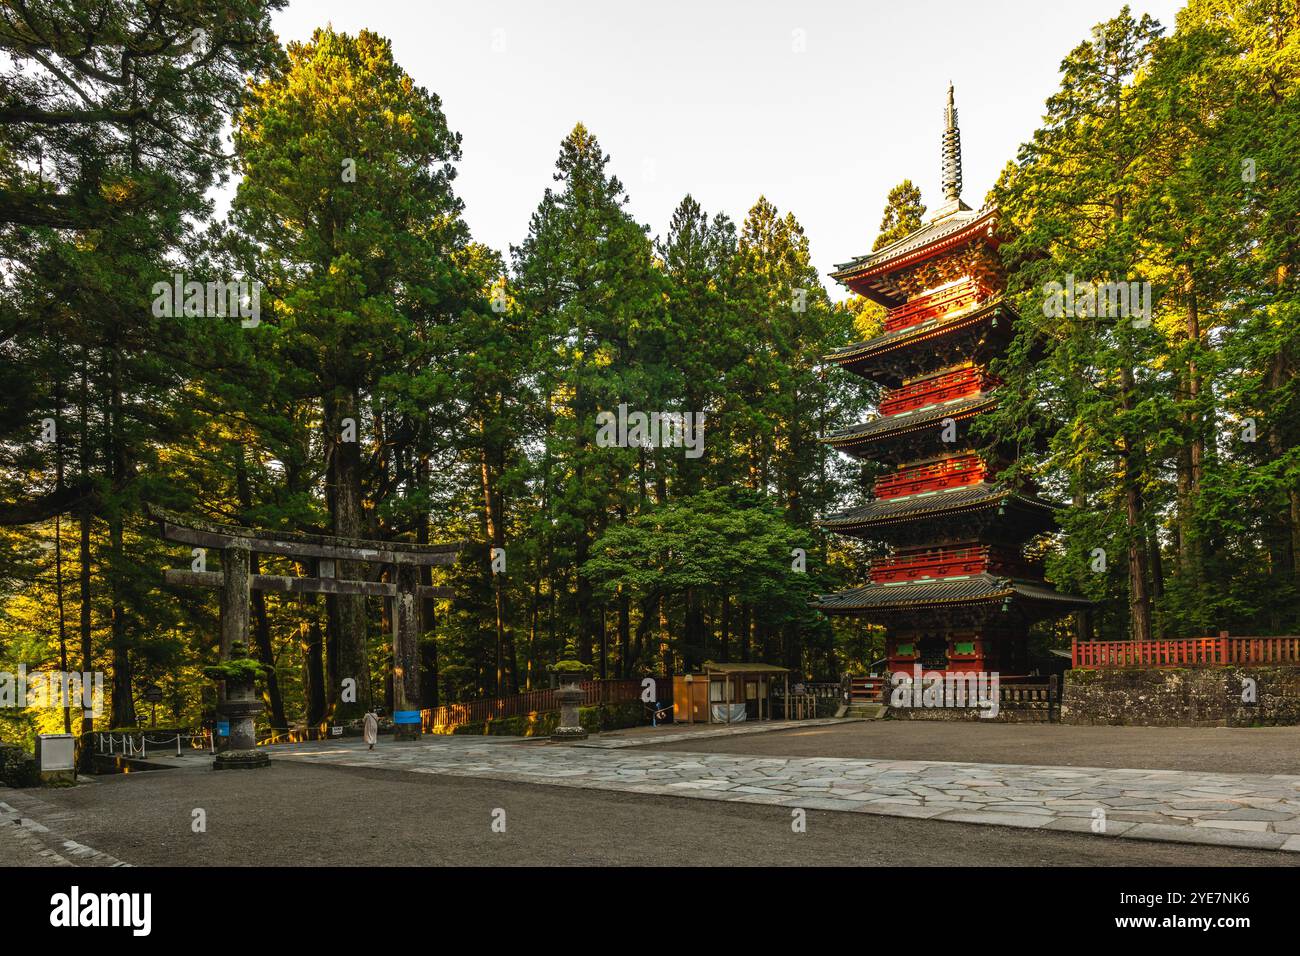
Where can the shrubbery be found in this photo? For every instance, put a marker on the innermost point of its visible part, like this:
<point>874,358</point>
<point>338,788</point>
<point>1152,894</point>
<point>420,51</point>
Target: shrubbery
<point>18,767</point>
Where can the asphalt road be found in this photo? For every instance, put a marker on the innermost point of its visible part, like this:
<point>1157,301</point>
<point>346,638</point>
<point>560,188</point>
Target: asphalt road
<point>296,814</point>
<point>1219,749</point>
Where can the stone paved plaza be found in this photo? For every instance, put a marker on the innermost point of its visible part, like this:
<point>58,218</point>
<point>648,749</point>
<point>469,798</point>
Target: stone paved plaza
<point>1255,811</point>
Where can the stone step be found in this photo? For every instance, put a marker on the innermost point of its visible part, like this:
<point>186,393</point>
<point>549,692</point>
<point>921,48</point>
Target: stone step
<point>866,711</point>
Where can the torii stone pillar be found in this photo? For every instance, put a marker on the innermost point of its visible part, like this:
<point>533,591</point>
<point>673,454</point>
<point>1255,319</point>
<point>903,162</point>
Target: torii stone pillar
<point>239,704</point>
<point>406,652</point>
<point>235,593</point>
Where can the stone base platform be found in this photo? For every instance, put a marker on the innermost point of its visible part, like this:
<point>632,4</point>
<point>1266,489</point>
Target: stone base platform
<point>241,760</point>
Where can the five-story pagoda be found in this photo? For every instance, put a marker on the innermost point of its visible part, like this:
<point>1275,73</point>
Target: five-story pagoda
<point>956,593</point>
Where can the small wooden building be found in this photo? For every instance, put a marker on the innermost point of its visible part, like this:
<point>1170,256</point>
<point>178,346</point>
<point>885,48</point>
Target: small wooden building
<point>727,693</point>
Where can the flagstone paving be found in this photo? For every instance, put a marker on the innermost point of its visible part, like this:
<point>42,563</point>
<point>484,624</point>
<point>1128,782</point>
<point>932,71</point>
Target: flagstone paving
<point>26,842</point>
<point>670,733</point>
<point>1257,811</point>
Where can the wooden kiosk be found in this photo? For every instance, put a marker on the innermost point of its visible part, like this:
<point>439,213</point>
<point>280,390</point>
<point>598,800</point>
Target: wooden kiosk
<point>727,693</point>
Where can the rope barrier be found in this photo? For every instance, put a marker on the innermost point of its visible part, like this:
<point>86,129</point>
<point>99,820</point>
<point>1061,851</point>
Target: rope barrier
<point>129,748</point>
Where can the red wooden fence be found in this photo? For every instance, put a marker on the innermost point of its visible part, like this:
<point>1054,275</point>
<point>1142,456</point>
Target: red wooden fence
<point>1192,650</point>
<point>441,719</point>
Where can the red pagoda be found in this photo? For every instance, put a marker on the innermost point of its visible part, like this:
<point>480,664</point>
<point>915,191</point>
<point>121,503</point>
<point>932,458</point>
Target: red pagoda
<point>956,592</point>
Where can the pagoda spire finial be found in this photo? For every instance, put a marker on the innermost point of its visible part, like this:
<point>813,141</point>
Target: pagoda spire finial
<point>951,152</point>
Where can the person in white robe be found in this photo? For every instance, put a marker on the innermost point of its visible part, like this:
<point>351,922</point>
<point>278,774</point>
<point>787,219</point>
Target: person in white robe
<point>371,730</point>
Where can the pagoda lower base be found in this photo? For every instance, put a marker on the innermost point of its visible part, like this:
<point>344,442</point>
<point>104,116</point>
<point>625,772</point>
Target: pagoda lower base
<point>989,649</point>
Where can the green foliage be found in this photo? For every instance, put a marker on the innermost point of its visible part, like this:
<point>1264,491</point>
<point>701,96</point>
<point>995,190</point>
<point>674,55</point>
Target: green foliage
<point>346,214</point>
<point>109,146</point>
<point>237,670</point>
<point>1140,429</point>
<point>570,666</point>
<point>904,214</point>
<point>18,767</point>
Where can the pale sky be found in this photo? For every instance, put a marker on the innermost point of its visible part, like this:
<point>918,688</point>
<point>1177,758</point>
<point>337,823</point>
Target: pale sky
<point>821,105</point>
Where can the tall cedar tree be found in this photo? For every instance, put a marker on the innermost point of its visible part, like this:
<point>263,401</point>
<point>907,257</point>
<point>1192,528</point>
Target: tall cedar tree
<point>347,199</point>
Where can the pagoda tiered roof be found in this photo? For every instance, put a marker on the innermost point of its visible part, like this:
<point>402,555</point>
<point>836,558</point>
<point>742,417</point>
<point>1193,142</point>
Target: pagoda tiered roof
<point>1032,598</point>
<point>894,356</point>
<point>879,516</point>
<point>851,440</point>
<point>872,275</point>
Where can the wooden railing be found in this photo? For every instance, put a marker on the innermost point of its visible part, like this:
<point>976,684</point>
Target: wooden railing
<point>827,689</point>
<point>795,706</point>
<point>935,476</point>
<point>870,690</point>
<point>1187,651</point>
<point>441,719</point>
<point>948,562</point>
<point>939,388</point>
<point>934,305</point>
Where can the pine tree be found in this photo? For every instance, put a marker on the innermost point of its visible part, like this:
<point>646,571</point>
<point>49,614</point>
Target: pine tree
<point>585,279</point>
<point>904,213</point>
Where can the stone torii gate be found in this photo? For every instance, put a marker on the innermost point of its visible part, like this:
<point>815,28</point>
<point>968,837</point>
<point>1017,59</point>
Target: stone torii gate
<point>235,581</point>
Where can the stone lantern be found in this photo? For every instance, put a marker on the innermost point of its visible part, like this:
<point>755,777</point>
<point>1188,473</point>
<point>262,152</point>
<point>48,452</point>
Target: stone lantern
<point>241,706</point>
<point>570,694</point>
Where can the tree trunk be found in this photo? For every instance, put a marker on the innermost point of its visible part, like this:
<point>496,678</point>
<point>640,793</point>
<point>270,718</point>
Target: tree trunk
<point>343,469</point>
<point>725,635</point>
<point>624,634</point>
<point>123,699</point>
<point>1139,599</point>
<point>1190,463</point>
<point>266,654</point>
<point>83,557</point>
<point>491,469</point>
<point>694,649</point>
<point>743,635</point>
<point>428,642</point>
<point>271,695</point>
<point>312,641</point>
<point>665,640</point>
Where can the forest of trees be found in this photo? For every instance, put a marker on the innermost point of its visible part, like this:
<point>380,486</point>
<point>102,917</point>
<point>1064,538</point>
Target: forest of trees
<point>403,381</point>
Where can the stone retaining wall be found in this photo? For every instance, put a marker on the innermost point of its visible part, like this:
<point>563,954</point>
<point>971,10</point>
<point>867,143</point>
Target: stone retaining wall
<point>1208,696</point>
<point>1018,703</point>
<point>1017,713</point>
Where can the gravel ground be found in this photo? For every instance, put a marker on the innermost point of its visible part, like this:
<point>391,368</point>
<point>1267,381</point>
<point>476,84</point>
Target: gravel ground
<point>298,814</point>
<point>1219,749</point>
